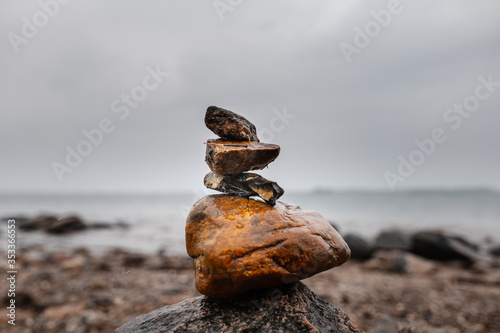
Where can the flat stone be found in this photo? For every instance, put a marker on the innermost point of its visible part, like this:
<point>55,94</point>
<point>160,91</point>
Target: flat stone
<point>242,244</point>
<point>232,157</point>
<point>245,185</point>
<point>289,308</point>
<point>230,125</point>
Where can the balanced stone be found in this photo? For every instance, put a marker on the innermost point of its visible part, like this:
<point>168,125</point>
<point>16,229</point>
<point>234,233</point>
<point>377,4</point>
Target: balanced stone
<point>245,185</point>
<point>232,157</point>
<point>229,125</point>
<point>242,244</point>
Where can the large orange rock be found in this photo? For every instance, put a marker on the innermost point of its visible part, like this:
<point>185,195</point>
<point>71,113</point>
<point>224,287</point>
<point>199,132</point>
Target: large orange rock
<point>242,244</point>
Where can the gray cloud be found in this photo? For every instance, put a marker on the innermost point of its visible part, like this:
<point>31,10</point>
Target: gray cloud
<point>352,120</point>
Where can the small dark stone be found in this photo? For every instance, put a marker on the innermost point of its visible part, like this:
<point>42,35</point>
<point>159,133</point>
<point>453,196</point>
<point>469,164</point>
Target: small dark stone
<point>40,222</point>
<point>133,260</point>
<point>66,224</point>
<point>229,125</point>
<point>393,240</point>
<point>399,264</point>
<point>495,251</point>
<point>439,246</point>
<point>23,300</point>
<point>361,248</point>
<point>288,308</point>
<point>245,185</point>
<point>230,158</point>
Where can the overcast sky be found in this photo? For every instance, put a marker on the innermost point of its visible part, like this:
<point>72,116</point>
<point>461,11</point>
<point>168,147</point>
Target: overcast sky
<point>353,103</point>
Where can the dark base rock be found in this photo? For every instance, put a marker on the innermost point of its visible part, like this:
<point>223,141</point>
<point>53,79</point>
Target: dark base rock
<point>288,308</point>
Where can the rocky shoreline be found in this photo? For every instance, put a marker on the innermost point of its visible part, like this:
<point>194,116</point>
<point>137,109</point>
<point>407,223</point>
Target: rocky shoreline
<point>81,292</point>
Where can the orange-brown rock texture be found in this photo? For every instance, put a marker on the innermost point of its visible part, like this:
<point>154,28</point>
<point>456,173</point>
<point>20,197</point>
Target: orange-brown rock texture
<point>232,157</point>
<point>242,244</point>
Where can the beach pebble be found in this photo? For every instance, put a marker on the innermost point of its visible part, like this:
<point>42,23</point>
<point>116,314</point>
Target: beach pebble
<point>361,248</point>
<point>495,251</point>
<point>440,246</point>
<point>240,245</point>
<point>232,157</point>
<point>229,125</point>
<point>393,240</point>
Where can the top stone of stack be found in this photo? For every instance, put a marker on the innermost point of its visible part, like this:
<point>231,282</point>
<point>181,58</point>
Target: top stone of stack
<point>229,125</point>
<point>237,151</point>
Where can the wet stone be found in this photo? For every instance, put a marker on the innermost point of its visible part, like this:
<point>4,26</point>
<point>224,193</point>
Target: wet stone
<point>245,185</point>
<point>233,157</point>
<point>229,125</point>
<point>241,244</point>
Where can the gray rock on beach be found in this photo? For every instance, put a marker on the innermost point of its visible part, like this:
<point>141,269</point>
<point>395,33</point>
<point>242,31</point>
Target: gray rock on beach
<point>393,240</point>
<point>288,308</point>
<point>361,248</point>
<point>51,224</point>
<point>440,246</point>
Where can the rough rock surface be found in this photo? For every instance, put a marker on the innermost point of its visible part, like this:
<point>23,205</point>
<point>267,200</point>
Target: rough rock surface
<point>289,308</point>
<point>229,125</point>
<point>242,244</point>
<point>245,185</point>
<point>233,157</point>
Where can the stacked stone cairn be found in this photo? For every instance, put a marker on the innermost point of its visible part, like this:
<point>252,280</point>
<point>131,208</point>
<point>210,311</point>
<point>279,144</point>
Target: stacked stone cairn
<point>240,244</point>
<point>249,254</point>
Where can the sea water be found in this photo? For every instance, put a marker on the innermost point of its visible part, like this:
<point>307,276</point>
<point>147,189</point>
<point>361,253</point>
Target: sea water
<point>156,221</point>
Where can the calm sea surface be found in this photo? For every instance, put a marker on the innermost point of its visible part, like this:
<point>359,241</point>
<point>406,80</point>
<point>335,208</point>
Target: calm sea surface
<point>157,221</point>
